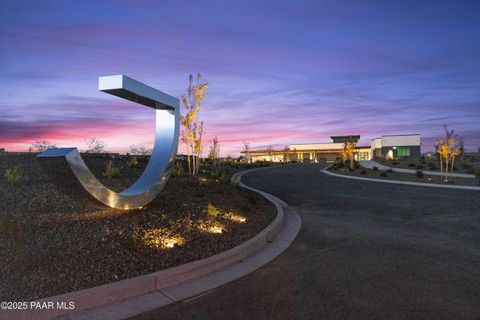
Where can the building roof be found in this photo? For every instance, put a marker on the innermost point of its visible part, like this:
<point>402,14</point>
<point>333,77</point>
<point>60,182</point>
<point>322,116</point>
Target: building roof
<point>397,135</point>
<point>345,137</point>
<point>316,146</point>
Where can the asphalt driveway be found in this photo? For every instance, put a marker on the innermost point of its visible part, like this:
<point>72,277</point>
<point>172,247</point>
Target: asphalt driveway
<point>366,250</point>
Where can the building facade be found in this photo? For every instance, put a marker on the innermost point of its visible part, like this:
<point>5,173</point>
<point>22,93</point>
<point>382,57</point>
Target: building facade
<point>310,152</point>
<point>396,146</point>
<point>388,147</point>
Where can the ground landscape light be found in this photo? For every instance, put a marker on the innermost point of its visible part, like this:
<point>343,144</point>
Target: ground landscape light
<point>211,227</point>
<point>162,238</point>
<point>235,217</point>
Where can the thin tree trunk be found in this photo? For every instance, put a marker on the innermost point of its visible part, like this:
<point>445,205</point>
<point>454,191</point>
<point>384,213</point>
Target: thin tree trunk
<point>193,162</point>
<point>188,148</point>
<point>441,166</point>
<point>453,161</point>
<point>446,169</point>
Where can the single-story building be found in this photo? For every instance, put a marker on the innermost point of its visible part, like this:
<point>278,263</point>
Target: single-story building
<point>396,146</point>
<point>387,147</point>
<point>309,152</point>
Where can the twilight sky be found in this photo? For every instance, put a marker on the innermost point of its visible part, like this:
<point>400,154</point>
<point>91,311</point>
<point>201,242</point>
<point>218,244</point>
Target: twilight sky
<point>280,72</point>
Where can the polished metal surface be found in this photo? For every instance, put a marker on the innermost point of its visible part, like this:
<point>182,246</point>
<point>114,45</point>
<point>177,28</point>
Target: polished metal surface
<point>158,169</point>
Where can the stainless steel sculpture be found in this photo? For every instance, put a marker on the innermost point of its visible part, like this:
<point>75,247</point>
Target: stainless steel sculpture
<point>158,169</point>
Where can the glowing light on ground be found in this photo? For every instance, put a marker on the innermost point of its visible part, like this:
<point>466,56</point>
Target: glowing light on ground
<point>235,217</point>
<point>212,210</point>
<point>162,238</point>
<point>211,227</point>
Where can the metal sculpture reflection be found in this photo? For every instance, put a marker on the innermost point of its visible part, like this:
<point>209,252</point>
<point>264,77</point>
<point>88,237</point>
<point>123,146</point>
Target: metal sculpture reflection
<point>158,169</point>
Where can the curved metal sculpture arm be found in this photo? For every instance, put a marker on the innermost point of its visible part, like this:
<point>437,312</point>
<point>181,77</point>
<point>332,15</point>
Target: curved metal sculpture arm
<point>158,169</point>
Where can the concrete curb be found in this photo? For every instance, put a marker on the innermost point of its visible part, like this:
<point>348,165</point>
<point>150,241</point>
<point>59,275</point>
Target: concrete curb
<point>129,297</point>
<point>369,164</point>
<point>325,171</point>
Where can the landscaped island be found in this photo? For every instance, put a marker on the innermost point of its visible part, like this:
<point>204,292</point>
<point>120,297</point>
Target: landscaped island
<point>53,241</point>
<point>419,175</point>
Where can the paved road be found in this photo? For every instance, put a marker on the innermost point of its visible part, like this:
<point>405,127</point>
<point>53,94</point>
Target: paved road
<point>366,251</point>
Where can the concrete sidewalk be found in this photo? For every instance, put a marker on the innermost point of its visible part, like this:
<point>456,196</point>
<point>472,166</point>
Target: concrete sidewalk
<point>369,164</point>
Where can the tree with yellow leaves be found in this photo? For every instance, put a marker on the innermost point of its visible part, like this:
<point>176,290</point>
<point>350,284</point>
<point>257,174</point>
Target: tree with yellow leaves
<point>197,146</point>
<point>347,152</point>
<point>193,130</point>
<point>447,150</point>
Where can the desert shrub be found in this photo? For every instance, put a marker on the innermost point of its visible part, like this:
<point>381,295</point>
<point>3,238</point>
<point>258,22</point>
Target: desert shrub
<point>419,174</point>
<point>375,168</point>
<point>450,181</point>
<point>412,165</point>
<point>395,162</point>
<point>218,174</point>
<point>132,163</point>
<point>202,181</point>
<point>339,165</point>
<point>177,169</point>
<point>111,171</point>
<point>432,166</point>
<point>356,165</point>
<point>363,172</point>
<point>13,175</point>
<point>383,174</point>
<point>419,167</point>
<point>468,168</point>
<point>389,170</point>
<point>350,169</point>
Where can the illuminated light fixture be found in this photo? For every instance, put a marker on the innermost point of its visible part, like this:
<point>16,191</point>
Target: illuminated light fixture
<point>235,217</point>
<point>211,227</point>
<point>162,238</point>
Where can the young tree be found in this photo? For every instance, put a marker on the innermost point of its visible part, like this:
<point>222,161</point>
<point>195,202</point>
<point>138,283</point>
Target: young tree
<point>197,146</point>
<point>40,146</point>
<point>347,152</point>
<point>95,145</point>
<point>447,150</point>
<point>270,152</point>
<point>192,130</point>
<point>214,154</point>
<point>246,151</point>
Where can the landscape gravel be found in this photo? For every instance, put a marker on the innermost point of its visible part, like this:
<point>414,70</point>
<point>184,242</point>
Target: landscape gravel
<point>54,240</point>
